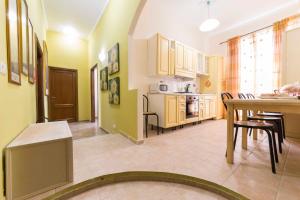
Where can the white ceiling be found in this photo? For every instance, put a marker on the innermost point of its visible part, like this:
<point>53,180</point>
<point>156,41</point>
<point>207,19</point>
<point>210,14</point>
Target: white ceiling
<point>80,14</point>
<point>230,13</point>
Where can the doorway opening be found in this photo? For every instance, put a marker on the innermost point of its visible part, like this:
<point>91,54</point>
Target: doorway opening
<point>94,94</point>
<point>40,109</point>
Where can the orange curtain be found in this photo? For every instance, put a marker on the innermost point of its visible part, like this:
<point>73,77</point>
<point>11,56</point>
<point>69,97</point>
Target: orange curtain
<point>279,28</point>
<point>232,70</point>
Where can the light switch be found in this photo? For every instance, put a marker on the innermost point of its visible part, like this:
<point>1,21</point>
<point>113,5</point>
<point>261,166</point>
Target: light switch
<point>3,68</point>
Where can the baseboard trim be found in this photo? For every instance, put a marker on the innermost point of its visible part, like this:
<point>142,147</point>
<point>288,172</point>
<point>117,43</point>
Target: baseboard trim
<point>131,138</point>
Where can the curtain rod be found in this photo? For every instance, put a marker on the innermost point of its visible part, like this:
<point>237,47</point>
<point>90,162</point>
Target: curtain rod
<point>249,33</point>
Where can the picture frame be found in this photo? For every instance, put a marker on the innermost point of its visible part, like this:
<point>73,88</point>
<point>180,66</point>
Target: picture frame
<point>114,59</point>
<point>104,79</point>
<point>31,68</point>
<point>46,68</point>
<point>13,41</point>
<point>24,36</point>
<point>114,91</point>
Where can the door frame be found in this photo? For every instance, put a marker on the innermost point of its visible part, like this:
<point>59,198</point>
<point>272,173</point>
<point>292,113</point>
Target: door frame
<point>92,83</point>
<point>40,110</point>
<point>76,90</point>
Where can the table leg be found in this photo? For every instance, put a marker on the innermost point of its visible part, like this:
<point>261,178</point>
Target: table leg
<point>255,130</point>
<point>230,121</point>
<point>245,130</point>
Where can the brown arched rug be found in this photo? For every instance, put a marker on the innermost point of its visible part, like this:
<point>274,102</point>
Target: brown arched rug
<point>145,176</point>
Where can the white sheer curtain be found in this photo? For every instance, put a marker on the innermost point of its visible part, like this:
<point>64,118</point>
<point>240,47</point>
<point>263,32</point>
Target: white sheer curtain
<point>257,63</point>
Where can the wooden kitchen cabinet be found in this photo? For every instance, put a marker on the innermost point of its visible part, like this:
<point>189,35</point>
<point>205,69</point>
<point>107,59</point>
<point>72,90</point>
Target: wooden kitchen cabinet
<point>181,103</point>
<point>179,58</point>
<point>159,48</point>
<point>202,64</point>
<point>185,63</point>
<point>189,61</point>
<point>207,107</point>
<point>171,111</point>
<point>214,82</point>
<point>171,58</point>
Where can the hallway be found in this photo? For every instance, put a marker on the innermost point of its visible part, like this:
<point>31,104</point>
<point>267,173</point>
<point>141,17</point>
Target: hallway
<point>85,129</point>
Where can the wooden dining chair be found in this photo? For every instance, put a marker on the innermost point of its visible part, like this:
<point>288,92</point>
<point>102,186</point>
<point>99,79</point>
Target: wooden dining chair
<point>276,121</point>
<point>146,114</point>
<point>267,127</point>
<point>271,114</point>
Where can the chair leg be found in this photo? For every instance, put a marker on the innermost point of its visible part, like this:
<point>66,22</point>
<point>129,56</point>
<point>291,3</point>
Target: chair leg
<point>235,137</point>
<point>250,131</point>
<point>271,152</point>
<point>146,126</point>
<point>283,127</point>
<point>274,145</point>
<point>157,124</point>
<point>280,136</point>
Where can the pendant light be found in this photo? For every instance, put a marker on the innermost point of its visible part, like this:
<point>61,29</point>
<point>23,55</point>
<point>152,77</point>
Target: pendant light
<point>210,23</point>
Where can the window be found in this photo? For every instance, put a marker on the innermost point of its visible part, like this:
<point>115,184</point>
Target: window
<point>257,63</point>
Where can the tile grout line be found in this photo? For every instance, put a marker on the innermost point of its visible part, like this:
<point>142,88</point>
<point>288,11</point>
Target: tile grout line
<point>281,177</point>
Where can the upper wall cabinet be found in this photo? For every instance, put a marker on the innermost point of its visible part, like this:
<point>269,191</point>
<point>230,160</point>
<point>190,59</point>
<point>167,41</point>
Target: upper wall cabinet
<point>185,61</point>
<point>171,58</point>
<point>202,64</point>
<point>159,55</point>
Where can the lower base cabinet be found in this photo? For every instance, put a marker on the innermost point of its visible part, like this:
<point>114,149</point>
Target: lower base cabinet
<point>171,109</point>
<point>209,109</point>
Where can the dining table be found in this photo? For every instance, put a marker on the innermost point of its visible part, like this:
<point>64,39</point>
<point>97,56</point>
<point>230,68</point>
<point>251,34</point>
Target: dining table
<point>283,105</point>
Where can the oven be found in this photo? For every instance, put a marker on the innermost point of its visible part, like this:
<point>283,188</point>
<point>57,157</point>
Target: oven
<point>192,106</point>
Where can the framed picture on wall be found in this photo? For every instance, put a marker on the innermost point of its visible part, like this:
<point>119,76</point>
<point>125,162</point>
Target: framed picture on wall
<point>13,41</point>
<point>46,68</point>
<point>114,91</point>
<point>31,53</point>
<point>114,60</point>
<point>24,36</point>
<point>104,79</point>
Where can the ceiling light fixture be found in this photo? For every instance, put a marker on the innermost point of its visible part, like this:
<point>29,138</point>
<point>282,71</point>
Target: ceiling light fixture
<point>69,30</point>
<point>210,23</point>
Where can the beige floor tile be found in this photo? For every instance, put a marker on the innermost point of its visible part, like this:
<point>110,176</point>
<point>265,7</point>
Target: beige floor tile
<point>289,188</point>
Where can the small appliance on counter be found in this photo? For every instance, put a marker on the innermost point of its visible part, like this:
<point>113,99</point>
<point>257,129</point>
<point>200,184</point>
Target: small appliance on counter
<point>159,87</point>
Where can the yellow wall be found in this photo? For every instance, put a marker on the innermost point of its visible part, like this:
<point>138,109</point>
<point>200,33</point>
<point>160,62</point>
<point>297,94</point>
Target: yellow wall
<point>17,103</point>
<point>69,52</point>
<point>113,27</point>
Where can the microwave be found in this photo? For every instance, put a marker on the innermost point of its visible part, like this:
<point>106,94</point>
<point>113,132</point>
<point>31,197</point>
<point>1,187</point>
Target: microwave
<point>159,87</point>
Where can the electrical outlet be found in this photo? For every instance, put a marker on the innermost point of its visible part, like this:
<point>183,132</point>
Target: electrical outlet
<point>114,126</point>
<point>3,69</point>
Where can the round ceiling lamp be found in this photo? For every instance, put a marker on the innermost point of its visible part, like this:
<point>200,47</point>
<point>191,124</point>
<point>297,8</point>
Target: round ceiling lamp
<point>210,23</point>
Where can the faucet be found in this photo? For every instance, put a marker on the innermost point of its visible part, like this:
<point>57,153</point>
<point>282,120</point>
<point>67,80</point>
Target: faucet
<point>187,87</point>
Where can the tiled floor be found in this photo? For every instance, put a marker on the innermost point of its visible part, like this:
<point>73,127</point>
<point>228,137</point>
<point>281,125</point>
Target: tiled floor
<point>197,151</point>
<point>85,129</point>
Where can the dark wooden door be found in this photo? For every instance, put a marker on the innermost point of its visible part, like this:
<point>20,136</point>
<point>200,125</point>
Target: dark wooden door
<point>40,114</point>
<point>63,94</point>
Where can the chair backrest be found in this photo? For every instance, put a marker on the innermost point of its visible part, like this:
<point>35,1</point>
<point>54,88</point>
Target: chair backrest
<point>250,96</point>
<point>227,96</point>
<point>242,96</point>
<point>145,99</point>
